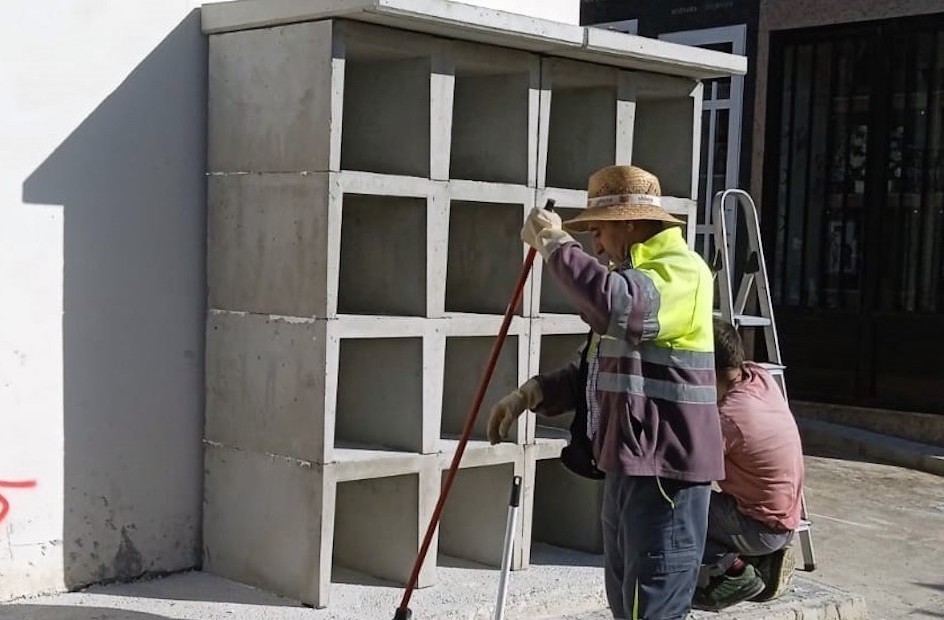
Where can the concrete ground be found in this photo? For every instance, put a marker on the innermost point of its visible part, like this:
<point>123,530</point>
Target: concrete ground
<point>878,531</point>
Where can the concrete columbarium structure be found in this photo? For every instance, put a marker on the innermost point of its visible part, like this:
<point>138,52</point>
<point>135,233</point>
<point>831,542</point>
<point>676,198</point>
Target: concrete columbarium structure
<point>370,166</point>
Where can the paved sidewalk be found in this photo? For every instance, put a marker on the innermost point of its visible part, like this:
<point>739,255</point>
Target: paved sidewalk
<point>878,530</point>
<point>543,592</point>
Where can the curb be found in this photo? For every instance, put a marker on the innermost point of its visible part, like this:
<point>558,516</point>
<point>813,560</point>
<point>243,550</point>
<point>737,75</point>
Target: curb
<point>872,446</point>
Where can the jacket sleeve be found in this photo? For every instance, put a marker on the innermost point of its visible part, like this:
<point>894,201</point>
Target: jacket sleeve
<point>560,389</point>
<point>623,304</point>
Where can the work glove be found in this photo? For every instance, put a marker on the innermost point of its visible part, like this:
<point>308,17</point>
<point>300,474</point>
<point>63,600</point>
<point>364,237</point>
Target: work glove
<point>506,411</point>
<point>544,232</point>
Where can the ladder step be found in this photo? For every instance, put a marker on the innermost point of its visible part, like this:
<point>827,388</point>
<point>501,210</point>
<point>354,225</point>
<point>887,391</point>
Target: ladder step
<point>747,320</point>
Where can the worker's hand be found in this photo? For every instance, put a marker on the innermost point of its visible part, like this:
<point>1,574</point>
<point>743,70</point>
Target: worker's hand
<point>506,411</point>
<point>544,232</point>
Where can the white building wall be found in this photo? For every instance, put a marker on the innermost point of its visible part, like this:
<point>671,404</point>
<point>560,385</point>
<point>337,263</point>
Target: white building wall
<point>102,273</point>
<point>102,225</point>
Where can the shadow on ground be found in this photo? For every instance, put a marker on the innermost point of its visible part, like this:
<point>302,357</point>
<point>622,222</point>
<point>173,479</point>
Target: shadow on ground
<point>63,612</point>
<point>548,555</point>
<point>194,586</point>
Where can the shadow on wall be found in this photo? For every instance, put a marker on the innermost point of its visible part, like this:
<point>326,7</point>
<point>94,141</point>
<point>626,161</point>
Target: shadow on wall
<point>130,179</point>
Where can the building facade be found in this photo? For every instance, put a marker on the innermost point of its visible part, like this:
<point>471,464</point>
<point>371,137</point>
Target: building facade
<point>841,127</point>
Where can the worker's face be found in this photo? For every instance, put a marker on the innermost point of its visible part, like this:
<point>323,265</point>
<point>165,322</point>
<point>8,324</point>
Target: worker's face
<point>612,239</point>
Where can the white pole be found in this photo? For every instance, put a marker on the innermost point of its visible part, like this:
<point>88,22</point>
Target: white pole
<point>510,525</point>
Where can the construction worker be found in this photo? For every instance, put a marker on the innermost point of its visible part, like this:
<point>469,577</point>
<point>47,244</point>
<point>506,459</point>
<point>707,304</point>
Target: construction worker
<point>751,522</point>
<point>643,388</point>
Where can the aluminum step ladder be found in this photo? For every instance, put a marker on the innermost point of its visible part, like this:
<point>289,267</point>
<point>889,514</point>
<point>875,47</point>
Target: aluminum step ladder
<point>754,285</point>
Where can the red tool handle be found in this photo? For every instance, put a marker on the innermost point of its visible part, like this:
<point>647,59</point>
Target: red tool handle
<point>403,610</point>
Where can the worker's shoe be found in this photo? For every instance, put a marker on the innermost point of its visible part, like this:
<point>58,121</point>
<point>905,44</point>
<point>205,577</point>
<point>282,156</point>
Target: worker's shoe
<point>776,569</point>
<point>726,590</point>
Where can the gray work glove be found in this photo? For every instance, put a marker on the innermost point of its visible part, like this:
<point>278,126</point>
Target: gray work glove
<point>544,232</point>
<point>506,411</point>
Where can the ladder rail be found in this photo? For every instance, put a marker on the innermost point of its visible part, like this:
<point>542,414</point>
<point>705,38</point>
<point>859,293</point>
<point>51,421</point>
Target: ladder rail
<point>734,310</point>
<point>730,308</point>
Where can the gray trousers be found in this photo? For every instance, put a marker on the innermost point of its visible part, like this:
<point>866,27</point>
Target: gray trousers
<point>653,541</point>
<point>731,534</point>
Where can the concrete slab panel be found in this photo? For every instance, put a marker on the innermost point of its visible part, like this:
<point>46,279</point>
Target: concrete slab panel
<point>442,88</point>
<point>265,384</point>
<point>376,184</point>
<point>380,393</point>
<point>267,523</point>
<point>272,99</point>
<point>464,324</point>
<point>473,521</point>
<point>362,463</point>
<point>491,128</point>
<point>485,254</point>
<point>454,20</point>
<point>562,324</point>
<point>625,118</point>
<point>268,243</point>
<point>383,256</point>
<point>376,526</point>
<point>480,452</point>
<point>549,441</point>
<point>386,125</point>
<point>465,362</point>
<point>574,524</point>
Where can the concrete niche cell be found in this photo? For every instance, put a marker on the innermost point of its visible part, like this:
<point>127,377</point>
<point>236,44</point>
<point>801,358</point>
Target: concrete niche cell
<point>484,258</point>
<point>383,256</point>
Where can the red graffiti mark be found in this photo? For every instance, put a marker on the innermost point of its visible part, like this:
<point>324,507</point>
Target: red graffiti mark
<point>9,484</point>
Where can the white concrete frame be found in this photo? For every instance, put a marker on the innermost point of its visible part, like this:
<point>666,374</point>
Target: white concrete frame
<point>737,36</point>
<point>277,322</point>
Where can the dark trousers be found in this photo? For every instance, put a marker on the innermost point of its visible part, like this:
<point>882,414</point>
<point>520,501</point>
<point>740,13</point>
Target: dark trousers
<point>653,542</point>
<point>731,534</point>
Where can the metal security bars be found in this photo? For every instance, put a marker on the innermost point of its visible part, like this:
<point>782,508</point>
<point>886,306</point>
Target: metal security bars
<point>859,162</point>
<point>912,272</point>
<point>821,175</point>
<point>854,210</point>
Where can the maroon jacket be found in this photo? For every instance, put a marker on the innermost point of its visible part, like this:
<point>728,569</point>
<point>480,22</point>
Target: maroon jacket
<point>650,388</point>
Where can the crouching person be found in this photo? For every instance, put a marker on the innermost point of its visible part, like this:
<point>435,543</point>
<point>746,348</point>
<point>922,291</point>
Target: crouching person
<point>751,521</point>
<point>643,389</point>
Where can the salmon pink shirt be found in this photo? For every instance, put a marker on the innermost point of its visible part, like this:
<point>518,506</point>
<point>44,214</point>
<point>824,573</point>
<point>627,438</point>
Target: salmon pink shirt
<point>763,456</point>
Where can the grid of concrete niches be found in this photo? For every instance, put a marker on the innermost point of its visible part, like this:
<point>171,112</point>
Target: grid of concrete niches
<point>366,191</point>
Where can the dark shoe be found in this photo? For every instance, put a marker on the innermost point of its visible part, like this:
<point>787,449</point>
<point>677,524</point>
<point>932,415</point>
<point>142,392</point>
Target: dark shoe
<point>726,590</point>
<point>775,569</point>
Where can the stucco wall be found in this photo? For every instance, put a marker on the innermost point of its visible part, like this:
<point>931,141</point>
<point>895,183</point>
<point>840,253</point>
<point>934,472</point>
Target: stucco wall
<point>102,230</point>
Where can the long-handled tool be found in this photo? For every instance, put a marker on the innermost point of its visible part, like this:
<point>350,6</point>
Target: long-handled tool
<point>510,526</point>
<point>403,611</point>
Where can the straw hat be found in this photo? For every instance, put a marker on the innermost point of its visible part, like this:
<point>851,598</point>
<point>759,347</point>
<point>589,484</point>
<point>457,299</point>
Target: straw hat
<point>621,193</point>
